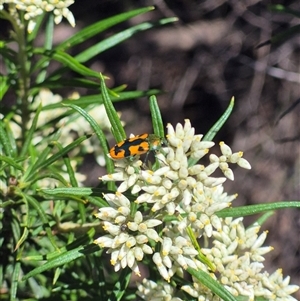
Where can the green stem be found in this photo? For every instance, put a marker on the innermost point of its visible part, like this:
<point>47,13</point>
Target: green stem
<point>24,78</point>
<point>22,67</point>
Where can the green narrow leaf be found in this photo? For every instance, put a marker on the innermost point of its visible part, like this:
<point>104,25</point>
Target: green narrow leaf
<point>9,203</point>
<point>82,212</point>
<point>38,159</point>
<point>38,22</point>
<point>15,227</point>
<point>261,220</point>
<point>10,162</point>
<point>4,86</point>
<point>120,286</point>
<point>31,170</point>
<point>58,209</point>
<point>95,126</point>
<point>196,245</point>
<point>68,191</point>
<point>218,125</point>
<point>56,275</point>
<point>1,267</point>
<point>70,169</point>
<point>255,209</point>
<point>15,281</point>
<point>93,195</point>
<point>212,284</point>
<point>11,135</point>
<point>25,230</point>
<point>97,201</point>
<point>63,82</point>
<point>31,132</point>
<point>5,141</point>
<point>67,61</point>
<point>48,36</point>
<point>215,128</point>
<point>56,156</point>
<point>56,262</point>
<point>52,174</point>
<point>70,198</point>
<point>84,239</point>
<point>100,276</point>
<point>9,55</point>
<point>85,101</point>
<point>157,121</point>
<point>117,39</point>
<point>62,259</point>
<point>117,128</point>
<point>100,26</point>
<point>36,205</point>
<point>22,238</point>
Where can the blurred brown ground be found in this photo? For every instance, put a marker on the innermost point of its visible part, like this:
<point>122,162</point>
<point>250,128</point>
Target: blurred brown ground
<point>200,62</point>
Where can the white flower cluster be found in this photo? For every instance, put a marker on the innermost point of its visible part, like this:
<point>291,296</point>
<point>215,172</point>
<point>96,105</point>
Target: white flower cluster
<point>127,241</point>
<point>34,8</point>
<point>176,203</point>
<point>150,290</point>
<point>238,255</point>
